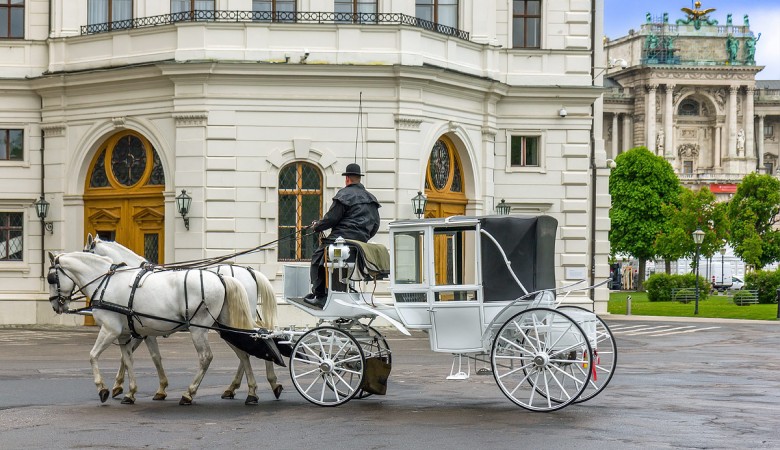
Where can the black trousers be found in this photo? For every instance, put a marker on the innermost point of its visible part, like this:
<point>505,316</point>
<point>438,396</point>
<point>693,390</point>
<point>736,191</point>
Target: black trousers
<point>317,272</point>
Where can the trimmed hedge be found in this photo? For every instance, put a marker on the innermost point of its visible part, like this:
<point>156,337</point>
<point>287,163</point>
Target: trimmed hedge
<point>659,286</point>
<point>766,282</point>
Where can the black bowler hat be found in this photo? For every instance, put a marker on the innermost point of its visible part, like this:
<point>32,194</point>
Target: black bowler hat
<point>352,169</point>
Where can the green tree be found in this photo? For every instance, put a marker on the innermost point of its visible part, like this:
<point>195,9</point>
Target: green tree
<point>696,209</point>
<point>753,212</point>
<point>640,184</point>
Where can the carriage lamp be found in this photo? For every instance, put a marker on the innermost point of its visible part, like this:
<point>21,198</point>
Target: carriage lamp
<point>698,238</point>
<point>42,209</point>
<point>183,202</point>
<point>418,204</point>
<point>502,208</point>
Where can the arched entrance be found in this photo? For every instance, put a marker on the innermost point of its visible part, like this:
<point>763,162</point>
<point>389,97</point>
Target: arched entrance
<point>123,195</point>
<point>444,188</point>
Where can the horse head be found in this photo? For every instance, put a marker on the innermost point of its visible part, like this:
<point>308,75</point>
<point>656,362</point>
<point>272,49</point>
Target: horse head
<point>70,273</point>
<point>59,284</point>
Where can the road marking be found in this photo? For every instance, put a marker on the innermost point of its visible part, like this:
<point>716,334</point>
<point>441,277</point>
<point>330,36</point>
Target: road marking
<point>688,331</point>
<point>656,330</point>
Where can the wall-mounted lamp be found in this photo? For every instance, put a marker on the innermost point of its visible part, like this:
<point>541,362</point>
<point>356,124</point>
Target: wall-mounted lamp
<point>183,202</point>
<point>418,204</point>
<point>305,56</point>
<point>562,112</point>
<point>42,209</point>
<point>503,208</point>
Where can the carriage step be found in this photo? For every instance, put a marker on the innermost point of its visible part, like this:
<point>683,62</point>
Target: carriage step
<point>457,373</point>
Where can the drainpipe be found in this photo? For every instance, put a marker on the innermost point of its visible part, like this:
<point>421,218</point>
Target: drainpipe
<point>43,175</point>
<point>592,245</point>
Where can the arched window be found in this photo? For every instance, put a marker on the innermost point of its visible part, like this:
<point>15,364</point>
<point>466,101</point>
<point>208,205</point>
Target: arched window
<point>688,107</point>
<point>300,203</point>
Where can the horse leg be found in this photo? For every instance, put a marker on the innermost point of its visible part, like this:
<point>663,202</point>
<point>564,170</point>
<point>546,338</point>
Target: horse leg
<point>270,375</point>
<point>246,367</point>
<point>154,351</point>
<point>230,392</point>
<point>201,341</point>
<point>119,380</point>
<point>104,340</point>
<point>127,357</point>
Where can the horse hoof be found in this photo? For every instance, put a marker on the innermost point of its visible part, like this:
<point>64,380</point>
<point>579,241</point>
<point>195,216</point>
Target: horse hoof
<point>228,395</point>
<point>159,397</point>
<point>116,392</point>
<point>103,395</point>
<point>278,391</point>
<point>185,401</point>
<point>128,401</point>
<point>251,400</point>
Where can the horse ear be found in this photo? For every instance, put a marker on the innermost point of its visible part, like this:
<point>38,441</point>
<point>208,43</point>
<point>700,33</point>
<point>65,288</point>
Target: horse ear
<point>51,257</point>
<point>90,240</point>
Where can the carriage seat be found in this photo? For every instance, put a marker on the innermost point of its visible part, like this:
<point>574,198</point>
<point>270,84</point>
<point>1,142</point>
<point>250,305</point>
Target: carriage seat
<point>372,261</point>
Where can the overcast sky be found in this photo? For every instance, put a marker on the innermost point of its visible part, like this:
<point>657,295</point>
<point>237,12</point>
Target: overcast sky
<point>622,15</point>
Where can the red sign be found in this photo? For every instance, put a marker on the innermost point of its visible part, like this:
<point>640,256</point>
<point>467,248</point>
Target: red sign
<point>723,188</point>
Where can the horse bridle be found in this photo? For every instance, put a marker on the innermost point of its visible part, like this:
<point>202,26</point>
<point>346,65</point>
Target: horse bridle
<point>53,278</point>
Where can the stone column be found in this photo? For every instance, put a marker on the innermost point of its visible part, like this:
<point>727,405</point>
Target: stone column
<point>749,116</point>
<point>628,130</point>
<point>650,117</point>
<point>669,122</point>
<point>760,143</point>
<point>718,147</point>
<point>731,121</point>
<point>615,135</point>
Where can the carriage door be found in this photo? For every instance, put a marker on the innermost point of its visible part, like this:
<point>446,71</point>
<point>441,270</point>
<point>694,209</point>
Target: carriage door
<point>123,196</point>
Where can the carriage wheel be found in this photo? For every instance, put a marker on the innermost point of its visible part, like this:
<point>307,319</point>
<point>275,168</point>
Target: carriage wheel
<point>327,366</point>
<point>375,346</point>
<point>530,356</point>
<point>604,355</point>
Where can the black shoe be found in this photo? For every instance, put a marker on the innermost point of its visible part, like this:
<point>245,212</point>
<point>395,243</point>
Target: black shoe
<point>314,300</point>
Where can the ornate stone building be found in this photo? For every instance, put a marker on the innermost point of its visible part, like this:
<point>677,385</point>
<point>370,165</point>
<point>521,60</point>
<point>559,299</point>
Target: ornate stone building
<point>686,89</point>
<point>111,108</point>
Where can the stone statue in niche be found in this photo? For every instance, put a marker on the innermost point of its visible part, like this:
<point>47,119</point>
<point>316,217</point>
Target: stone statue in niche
<point>659,142</point>
<point>741,141</point>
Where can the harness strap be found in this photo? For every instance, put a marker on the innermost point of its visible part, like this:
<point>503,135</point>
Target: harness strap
<point>130,322</point>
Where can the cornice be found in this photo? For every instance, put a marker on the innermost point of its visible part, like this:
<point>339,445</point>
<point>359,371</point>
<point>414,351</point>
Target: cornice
<point>193,119</point>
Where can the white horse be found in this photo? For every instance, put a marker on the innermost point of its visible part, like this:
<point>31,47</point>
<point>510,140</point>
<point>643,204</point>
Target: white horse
<point>165,302</point>
<point>257,286</point>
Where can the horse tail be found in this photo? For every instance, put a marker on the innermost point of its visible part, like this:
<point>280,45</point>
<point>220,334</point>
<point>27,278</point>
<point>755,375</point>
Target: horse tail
<point>239,314</point>
<point>267,299</point>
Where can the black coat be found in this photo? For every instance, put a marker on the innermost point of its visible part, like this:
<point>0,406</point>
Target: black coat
<point>354,214</point>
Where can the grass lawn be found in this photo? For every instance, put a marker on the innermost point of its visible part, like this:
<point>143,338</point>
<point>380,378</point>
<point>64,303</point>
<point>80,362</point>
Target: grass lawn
<point>716,306</point>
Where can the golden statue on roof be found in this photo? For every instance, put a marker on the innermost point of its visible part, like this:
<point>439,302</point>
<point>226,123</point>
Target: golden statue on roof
<point>697,13</point>
<point>696,16</point>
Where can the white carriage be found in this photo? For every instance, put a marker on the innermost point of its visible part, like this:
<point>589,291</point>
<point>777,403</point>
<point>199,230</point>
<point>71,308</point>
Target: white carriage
<point>483,288</point>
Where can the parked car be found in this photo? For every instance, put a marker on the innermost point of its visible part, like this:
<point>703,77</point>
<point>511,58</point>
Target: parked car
<point>736,284</point>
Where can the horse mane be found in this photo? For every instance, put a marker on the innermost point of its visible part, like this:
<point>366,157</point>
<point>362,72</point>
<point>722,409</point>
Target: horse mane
<point>126,255</point>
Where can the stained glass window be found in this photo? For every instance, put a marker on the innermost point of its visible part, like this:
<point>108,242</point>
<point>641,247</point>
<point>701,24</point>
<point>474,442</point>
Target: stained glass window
<point>300,203</point>
<point>439,165</point>
<point>158,176</point>
<point>99,178</point>
<point>128,161</point>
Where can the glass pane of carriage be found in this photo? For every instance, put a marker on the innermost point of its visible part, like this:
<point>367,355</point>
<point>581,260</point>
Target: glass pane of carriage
<point>454,263</point>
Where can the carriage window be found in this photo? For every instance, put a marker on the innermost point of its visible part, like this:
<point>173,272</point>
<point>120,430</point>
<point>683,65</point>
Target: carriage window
<point>11,19</point>
<point>455,256</point>
<point>11,145</point>
<point>409,267</point>
<point>11,236</point>
<point>300,203</point>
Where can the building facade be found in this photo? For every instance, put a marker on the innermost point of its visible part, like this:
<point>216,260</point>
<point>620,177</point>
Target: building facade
<point>685,88</point>
<point>112,108</point>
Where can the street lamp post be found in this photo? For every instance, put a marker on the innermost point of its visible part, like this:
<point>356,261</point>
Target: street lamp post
<point>722,266</point>
<point>698,238</point>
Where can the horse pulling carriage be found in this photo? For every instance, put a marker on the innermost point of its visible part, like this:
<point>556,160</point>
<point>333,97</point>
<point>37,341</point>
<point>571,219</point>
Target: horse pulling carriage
<point>483,288</point>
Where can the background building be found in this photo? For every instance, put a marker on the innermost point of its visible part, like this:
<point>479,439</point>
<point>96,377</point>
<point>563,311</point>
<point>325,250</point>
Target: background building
<point>110,108</point>
<point>685,88</point>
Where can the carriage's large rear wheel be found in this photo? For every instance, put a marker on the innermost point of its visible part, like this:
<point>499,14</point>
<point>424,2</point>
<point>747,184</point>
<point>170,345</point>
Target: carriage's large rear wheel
<point>327,366</point>
<point>530,356</point>
<point>604,358</point>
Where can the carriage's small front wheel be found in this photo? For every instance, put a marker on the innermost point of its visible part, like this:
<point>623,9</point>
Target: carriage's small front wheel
<point>531,355</point>
<point>327,366</point>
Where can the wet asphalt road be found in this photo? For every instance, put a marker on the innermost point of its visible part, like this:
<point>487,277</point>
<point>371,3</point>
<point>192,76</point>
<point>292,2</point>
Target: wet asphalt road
<point>686,384</point>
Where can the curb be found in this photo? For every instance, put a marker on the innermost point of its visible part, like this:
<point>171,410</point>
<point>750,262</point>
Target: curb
<point>610,317</point>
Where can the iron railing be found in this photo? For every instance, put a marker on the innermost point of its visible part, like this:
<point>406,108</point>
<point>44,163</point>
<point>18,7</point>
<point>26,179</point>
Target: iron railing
<point>277,17</point>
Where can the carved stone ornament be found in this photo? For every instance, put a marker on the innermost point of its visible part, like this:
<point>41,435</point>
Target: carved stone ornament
<point>53,129</point>
<point>119,122</point>
<point>408,122</point>
<point>770,157</point>
<point>688,133</point>
<point>191,119</point>
<point>688,151</point>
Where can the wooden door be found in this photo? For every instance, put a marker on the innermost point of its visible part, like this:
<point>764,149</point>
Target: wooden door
<point>123,196</point>
<point>446,197</point>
